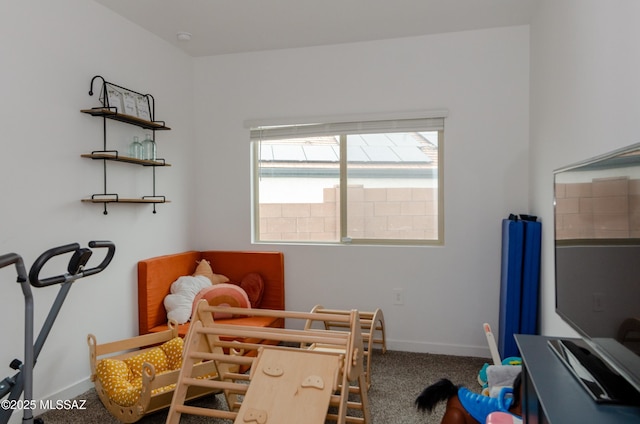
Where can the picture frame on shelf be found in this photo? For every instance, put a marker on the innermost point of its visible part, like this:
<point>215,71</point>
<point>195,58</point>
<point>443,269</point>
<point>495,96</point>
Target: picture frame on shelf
<point>113,98</point>
<point>129,103</point>
<point>142,107</point>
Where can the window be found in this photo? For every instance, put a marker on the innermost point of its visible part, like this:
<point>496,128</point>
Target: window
<point>365,181</point>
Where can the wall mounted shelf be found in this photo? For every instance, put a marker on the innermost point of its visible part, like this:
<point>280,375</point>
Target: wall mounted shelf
<point>116,199</point>
<point>111,113</point>
<point>115,156</point>
<point>111,109</point>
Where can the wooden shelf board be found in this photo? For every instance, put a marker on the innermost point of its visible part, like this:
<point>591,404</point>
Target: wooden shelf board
<point>111,114</point>
<point>119,158</point>
<point>124,200</point>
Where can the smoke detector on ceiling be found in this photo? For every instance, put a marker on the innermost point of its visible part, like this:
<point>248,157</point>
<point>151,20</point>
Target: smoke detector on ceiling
<point>183,36</point>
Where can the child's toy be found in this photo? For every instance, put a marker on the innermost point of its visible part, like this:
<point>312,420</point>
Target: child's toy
<point>466,407</point>
<point>495,355</point>
<point>494,377</point>
<point>499,377</point>
<point>371,324</point>
<point>141,378</point>
<point>290,369</point>
<point>493,347</point>
<point>502,418</point>
<point>22,381</point>
<point>483,378</point>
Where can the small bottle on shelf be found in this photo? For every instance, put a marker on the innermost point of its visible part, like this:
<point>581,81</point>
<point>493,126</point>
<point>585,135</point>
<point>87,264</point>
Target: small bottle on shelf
<point>135,148</point>
<point>148,148</point>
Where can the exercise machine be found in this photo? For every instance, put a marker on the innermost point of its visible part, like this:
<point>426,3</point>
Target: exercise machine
<point>22,382</point>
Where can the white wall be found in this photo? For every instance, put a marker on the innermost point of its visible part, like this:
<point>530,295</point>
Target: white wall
<point>585,101</point>
<point>481,77</point>
<point>49,53</point>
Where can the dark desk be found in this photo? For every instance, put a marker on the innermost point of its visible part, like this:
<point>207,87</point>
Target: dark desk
<point>552,395</point>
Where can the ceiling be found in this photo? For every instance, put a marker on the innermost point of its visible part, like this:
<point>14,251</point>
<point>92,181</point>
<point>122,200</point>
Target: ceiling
<point>236,26</point>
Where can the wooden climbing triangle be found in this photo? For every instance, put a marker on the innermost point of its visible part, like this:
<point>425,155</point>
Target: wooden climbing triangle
<point>288,383</point>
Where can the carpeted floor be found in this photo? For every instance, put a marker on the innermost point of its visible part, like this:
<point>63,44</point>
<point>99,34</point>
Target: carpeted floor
<point>397,379</point>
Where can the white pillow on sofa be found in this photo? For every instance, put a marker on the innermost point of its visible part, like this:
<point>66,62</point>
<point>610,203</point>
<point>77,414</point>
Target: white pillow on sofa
<point>178,304</point>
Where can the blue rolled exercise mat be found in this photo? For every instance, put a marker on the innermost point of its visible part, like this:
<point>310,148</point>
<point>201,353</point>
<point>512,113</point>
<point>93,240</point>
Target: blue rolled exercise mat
<point>530,276</point>
<point>510,285</point>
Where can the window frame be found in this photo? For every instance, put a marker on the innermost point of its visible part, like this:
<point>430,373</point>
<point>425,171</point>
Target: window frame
<point>344,239</point>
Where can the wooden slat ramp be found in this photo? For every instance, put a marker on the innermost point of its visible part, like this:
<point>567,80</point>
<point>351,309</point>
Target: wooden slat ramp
<point>289,382</point>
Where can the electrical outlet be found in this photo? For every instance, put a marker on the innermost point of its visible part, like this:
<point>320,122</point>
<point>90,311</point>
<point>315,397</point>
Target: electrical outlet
<point>398,296</point>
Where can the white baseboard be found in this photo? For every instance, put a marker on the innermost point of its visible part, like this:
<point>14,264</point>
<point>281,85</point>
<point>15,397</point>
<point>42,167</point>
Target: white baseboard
<point>438,348</point>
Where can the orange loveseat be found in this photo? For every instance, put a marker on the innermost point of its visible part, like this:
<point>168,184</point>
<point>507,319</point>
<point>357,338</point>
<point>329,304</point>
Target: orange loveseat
<point>155,276</point>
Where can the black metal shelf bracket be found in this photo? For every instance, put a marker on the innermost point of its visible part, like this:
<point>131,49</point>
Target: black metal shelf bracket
<point>104,99</point>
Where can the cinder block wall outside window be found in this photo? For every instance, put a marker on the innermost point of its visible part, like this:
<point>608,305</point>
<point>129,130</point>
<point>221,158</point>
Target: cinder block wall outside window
<point>402,213</point>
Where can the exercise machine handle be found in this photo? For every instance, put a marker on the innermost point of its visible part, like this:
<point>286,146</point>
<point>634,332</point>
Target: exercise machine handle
<point>75,269</point>
<point>14,258</point>
<point>107,259</point>
<point>34,273</point>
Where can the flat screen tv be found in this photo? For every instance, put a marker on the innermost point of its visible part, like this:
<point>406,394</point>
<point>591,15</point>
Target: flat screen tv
<point>597,272</point>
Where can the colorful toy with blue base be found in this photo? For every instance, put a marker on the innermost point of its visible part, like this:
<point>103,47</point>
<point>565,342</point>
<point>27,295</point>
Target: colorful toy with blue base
<point>482,374</point>
<point>467,407</point>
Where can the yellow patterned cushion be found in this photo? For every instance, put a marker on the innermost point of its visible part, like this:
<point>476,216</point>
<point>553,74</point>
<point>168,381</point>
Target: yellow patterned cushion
<point>122,379</point>
<point>173,350</point>
<point>155,357</point>
<point>116,377</point>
